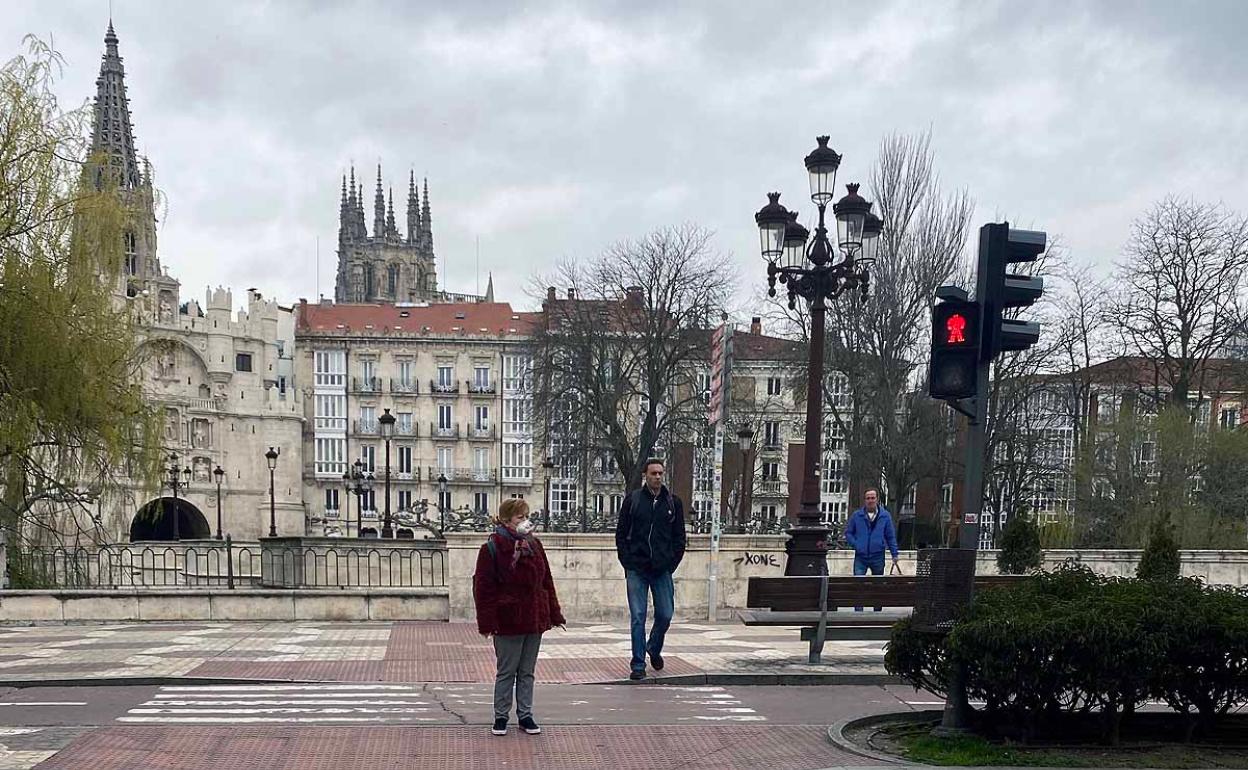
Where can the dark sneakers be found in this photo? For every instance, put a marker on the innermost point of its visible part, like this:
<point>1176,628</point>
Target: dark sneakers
<point>529,726</point>
<point>637,676</point>
<point>500,726</point>
<point>656,660</point>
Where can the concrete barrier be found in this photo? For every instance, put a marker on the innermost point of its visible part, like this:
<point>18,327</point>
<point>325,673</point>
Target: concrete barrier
<point>590,581</point>
<point>133,605</point>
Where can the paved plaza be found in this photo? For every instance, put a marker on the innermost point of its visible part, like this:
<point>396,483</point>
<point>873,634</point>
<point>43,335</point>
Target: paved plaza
<point>399,652</point>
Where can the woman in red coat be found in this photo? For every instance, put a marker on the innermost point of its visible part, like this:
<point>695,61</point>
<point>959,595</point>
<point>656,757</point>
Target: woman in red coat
<point>516,604</point>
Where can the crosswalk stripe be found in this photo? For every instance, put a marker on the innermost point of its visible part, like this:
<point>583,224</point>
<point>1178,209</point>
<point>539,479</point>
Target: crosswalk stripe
<point>278,710</point>
<point>252,702</point>
<point>290,687</point>
<point>266,720</point>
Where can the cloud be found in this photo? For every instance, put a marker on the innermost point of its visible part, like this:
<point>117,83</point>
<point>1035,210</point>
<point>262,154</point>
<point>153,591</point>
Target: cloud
<point>550,130</point>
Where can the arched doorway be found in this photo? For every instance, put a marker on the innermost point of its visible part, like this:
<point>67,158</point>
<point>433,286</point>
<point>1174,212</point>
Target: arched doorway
<point>154,521</point>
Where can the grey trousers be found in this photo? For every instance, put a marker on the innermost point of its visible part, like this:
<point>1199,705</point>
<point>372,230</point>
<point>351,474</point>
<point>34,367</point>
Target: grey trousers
<point>517,658</point>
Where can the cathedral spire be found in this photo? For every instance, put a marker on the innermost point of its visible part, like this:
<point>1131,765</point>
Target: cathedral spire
<point>112,133</point>
<point>379,209</point>
<point>390,227</point>
<point>351,197</point>
<point>426,223</point>
<point>489,289</point>
<point>413,209</point>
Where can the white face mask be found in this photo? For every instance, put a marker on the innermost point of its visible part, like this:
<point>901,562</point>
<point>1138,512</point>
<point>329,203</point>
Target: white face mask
<point>525,527</point>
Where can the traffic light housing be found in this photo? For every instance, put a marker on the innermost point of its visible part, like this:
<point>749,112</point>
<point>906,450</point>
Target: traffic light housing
<point>953,371</point>
<point>998,290</point>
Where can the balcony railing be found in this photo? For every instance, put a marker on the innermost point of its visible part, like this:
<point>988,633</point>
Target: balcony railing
<point>600,476</point>
<point>366,384</point>
<point>443,387</point>
<point>772,446</point>
<point>769,488</point>
<point>449,431</point>
<point>482,388</point>
<point>404,387</point>
<point>412,475</point>
<point>331,513</point>
<point>518,475</point>
<point>481,432</point>
<point>367,427</point>
<point>409,430</point>
<point>464,475</point>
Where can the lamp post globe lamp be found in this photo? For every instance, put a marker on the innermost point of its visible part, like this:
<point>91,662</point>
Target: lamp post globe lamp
<point>271,457</point>
<point>218,473</point>
<point>175,483</point>
<point>812,272</point>
<point>386,423</point>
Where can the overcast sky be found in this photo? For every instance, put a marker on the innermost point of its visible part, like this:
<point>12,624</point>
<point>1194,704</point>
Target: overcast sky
<point>551,130</point>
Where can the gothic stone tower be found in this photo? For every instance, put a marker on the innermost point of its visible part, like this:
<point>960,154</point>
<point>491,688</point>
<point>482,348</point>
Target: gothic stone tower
<point>115,162</point>
<point>386,266</point>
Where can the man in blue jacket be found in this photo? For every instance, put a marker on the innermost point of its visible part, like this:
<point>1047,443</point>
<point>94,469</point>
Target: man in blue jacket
<point>869,530</point>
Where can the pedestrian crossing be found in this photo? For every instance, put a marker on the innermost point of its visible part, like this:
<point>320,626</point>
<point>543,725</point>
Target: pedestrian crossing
<point>430,704</point>
<point>292,704</point>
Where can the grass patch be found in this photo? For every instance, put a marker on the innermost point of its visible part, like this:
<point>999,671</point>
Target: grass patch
<point>915,743</point>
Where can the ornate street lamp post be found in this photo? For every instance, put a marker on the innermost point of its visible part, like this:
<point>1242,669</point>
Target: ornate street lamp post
<point>441,502</point>
<point>357,482</point>
<point>179,478</point>
<point>219,474</point>
<point>811,272</point>
<point>548,465</point>
<point>386,423</point>
<point>745,439</point>
<point>271,456</point>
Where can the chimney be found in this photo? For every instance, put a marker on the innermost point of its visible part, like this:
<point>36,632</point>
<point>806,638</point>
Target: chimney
<point>571,293</point>
<point>550,294</point>
<point>756,325</point>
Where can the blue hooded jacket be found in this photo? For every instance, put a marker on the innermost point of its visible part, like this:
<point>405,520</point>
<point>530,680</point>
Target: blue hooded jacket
<point>867,539</point>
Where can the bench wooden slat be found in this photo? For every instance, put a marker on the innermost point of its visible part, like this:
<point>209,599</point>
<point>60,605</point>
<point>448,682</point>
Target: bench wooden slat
<point>802,593</point>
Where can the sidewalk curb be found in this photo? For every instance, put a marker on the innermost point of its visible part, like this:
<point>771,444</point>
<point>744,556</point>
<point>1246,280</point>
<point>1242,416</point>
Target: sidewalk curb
<point>836,736</point>
<point>750,680</point>
<point>146,681</point>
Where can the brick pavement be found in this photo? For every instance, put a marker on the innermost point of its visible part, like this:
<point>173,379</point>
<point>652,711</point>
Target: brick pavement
<point>399,652</point>
<point>652,747</point>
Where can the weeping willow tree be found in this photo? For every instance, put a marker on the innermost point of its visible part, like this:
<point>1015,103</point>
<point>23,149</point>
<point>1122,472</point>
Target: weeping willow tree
<point>74,426</point>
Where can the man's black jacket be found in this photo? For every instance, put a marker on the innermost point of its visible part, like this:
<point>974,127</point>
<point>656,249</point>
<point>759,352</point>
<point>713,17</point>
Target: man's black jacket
<point>650,532</point>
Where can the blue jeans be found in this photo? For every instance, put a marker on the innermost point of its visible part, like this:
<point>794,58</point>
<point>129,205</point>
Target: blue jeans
<point>862,564</point>
<point>639,584</point>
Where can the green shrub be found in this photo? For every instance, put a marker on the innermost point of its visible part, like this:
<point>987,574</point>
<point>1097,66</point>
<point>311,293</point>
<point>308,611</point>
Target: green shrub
<point>1020,546</point>
<point>1160,560</point>
<point>1073,641</point>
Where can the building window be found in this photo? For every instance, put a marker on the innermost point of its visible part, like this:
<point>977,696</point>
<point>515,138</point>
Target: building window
<point>481,417</point>
<point>403,426</point>
<point>368,419</point>
<point>368,456</point>
<point>1229,417</point>
<point>331,499</point>
<point>405,374</point>
<point>445,457</point>
<point>405,499</point>
<point>445,418</point>
<point>446,376</point>
<point>517,461</point>
<point>773,388</point>
<point>481,377</point>
<point>771,471</point>
<point>242,362</point>
<point>329,368</point>
<point>130,243</point>
<point>516,415</point>
<point>771,434</point>
<point>600,502</point>
<point>330,454</point>
<point>405,460</point>
<point>562,497</point>
<point>515,372</point>
<point>481,502</point>
<point>833,480</point>
<point>444,501</point>
<point>392,281</point>
<point>767,512</point>
<point>368,501</point>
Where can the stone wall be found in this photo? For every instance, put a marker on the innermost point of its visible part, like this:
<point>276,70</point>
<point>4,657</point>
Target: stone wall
<point>126,605</point>
<point>590,581</point>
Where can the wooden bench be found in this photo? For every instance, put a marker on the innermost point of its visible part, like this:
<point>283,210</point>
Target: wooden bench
<point>812,602</point>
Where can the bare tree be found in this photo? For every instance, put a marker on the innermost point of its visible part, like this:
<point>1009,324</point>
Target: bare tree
<point>616,363</point>
<point>1183,285</point>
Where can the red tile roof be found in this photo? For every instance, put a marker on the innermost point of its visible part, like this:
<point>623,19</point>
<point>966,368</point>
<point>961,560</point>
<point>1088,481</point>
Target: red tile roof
<point>493,319</point>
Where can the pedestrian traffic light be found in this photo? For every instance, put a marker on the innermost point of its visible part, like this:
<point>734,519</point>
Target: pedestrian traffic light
<point>998,291</point>
<point>953,372</point>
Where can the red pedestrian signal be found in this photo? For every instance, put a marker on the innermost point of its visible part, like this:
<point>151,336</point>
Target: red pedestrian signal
<point>955,329</point>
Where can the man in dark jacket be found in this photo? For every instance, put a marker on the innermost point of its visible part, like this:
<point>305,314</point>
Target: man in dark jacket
<point>650,542</point>
<point>869,532</point>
